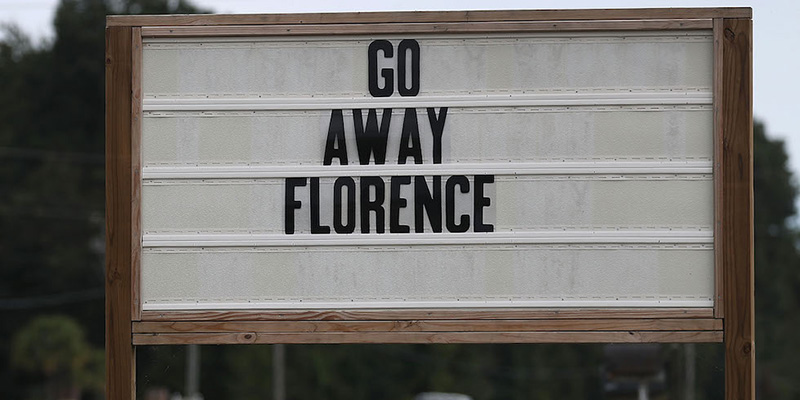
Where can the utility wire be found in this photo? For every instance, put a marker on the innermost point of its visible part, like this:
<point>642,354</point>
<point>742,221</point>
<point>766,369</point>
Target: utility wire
<point>24,303</point>
<point>39,154</point>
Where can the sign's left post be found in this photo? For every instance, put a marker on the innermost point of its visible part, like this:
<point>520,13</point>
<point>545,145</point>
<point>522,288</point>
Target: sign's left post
<point>122,129</point>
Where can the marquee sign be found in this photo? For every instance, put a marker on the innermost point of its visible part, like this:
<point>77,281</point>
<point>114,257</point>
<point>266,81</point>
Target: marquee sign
<point>519,176</point>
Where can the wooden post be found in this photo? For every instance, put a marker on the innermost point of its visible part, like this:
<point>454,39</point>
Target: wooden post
<point>737,207</point>
<point>120,353</point>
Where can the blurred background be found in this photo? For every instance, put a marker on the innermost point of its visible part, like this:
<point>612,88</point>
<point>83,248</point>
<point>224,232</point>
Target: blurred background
<point>52,245</point>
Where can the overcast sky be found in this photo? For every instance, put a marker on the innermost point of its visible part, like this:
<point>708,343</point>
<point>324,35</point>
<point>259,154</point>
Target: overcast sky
<point>775,56</point>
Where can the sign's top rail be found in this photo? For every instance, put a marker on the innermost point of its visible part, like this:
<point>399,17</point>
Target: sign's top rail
<point>430,16</point>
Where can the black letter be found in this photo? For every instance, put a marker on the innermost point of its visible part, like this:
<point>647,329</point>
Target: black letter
<point>410,132</point>
<point>480,201</point>
<point>290,203</point>
<point>450,203</point>
<point>437,127</point>
<point>368,205</point>
<point>396,203</point>
<point>315,226</point>
<point>372,68</point>
<point>335,133</point>
<point>408,44</point>
<point>424,201</point>
<point>350,226</point>
<point>370,140</point>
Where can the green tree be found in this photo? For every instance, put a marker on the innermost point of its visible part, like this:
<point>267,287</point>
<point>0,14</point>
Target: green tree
<point>52,171</point>
<point>777,262</point>
<point>54,348</point>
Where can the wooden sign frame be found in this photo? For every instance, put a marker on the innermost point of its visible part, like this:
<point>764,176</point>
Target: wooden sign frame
<point>729,321</point>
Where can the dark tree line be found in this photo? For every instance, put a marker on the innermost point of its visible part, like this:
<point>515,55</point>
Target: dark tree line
<point>51,264</point>
<point>52,180</point>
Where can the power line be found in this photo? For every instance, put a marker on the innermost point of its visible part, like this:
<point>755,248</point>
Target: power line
<point>39,154</point>
<point>38,212</point>
<point>23,303</point>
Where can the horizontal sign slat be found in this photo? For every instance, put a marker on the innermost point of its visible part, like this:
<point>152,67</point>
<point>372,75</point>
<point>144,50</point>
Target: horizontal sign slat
<point>449,64</point>
<point>430,276</point>
<point>541,168</point>
<point>547,134</point>
<point>518,203</point>
<point>405,239</point>
<point>477,100</point>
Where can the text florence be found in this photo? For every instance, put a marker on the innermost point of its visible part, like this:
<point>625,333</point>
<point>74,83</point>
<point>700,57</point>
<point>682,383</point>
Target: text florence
<point>377,202</point>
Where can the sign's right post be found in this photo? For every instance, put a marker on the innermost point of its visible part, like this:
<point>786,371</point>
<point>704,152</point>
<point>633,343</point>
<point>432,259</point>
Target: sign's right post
<point>733,110</point>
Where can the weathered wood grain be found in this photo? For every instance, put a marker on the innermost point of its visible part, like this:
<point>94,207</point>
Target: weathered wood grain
<point>737,208</point>
<point>120,356</point>
<point>136,172</point>
<point>423,314</point>
<point>423,28</point>
<point>719,293</point>
<point>434,326</point>
<point>431,16</point>
<point>428,337</point>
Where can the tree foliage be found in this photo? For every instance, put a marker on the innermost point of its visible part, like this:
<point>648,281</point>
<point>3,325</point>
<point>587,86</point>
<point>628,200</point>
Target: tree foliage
<point>52,171</point>
<point>55,348</point>
<point>777,261</point>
